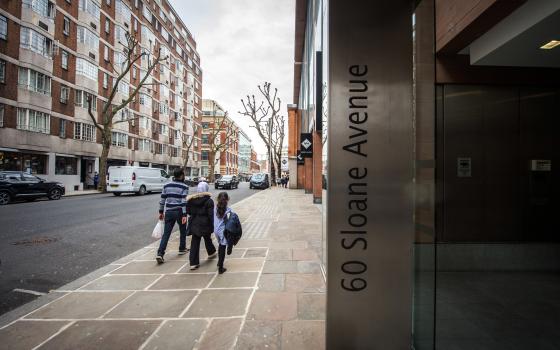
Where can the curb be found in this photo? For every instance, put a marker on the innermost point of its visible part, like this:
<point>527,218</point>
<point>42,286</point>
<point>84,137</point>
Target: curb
<point>80,194</point>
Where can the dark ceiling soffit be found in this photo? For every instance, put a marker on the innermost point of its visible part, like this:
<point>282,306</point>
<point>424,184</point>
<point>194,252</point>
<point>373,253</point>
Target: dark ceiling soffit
<point>479,26</point>
<point>299,41</point>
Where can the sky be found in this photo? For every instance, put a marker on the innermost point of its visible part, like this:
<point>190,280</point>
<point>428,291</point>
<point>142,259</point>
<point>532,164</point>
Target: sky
<point>242,44</point>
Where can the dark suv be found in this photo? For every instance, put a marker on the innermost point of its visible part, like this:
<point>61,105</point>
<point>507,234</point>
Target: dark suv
<point>227,181</point>
<point>18,185</point>
<point>259,181</point>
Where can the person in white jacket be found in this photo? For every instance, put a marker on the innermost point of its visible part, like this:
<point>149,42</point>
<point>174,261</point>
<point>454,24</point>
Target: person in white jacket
<point>220,214</point>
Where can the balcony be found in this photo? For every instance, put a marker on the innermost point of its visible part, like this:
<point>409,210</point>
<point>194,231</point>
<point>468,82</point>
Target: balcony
<point>42,18</point>
<point>34,98</point>
<point>35,59</point>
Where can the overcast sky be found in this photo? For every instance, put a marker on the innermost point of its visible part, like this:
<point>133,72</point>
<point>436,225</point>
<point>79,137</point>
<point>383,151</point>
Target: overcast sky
<point>242,43</point>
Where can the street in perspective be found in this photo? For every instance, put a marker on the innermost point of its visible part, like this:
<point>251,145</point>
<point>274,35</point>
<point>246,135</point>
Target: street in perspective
<point>291,175</point>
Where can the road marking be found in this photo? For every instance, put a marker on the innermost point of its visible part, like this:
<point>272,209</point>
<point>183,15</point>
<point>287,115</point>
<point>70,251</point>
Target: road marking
<point>27,291</point>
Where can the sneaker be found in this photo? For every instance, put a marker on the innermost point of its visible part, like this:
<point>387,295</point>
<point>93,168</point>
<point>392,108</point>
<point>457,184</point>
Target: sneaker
<point>194,267</point>
<point>160,259</point>
<point>213,255</point>
<point>183,252</point>
<point>221,270</point>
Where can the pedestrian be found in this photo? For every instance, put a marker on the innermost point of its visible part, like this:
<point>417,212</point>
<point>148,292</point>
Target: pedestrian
<point>95,180</point>
<point>220,214</point>
<point>173,209</point>
<point>200,208</point>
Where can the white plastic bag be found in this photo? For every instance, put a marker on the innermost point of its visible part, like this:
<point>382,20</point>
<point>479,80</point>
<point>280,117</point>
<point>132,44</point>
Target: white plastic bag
<point>158,230</point>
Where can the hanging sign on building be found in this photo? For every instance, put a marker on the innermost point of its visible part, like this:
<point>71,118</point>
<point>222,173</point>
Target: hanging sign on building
<point>306,145</point>
<point>300,160</point>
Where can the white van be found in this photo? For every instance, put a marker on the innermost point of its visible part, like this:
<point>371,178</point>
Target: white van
<point>134,179</point>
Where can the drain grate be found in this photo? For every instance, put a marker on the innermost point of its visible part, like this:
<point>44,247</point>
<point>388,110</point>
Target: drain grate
<point>35,241</point>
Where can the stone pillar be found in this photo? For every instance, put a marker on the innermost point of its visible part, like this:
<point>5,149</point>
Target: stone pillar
<point>293,142</point>
<point>317,167</point>
<point>308,171</point>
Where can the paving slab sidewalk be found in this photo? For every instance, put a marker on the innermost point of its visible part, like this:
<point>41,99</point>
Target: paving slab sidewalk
<point>271,297</point>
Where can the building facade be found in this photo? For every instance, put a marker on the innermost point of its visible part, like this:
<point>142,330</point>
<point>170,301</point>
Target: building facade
<point>244,159</point>
<point>219,128</point>
<point>255,166</point>
<point>428,131</point>
<point>56,55</point>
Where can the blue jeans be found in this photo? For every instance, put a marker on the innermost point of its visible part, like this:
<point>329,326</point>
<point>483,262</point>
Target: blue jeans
<point>171,217</point>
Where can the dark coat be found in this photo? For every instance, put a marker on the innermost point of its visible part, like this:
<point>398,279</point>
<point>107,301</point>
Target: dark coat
<point>200,208</point>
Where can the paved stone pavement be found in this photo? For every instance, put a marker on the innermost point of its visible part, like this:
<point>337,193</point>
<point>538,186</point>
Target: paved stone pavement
<point>271,297</point>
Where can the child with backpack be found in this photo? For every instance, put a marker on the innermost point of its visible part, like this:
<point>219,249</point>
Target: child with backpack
<point>220,217</point>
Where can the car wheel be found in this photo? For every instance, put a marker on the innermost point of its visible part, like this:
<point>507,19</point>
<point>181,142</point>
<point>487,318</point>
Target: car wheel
<point>142,190</point>
<point>116,194</point>
<point>4,198</point>
<point>55,194</point>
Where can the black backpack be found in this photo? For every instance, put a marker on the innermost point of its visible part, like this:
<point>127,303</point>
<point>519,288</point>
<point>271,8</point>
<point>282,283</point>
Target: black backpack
<point>233,229</point>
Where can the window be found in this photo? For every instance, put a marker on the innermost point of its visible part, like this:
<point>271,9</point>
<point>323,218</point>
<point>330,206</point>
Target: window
<point>42,7</point>
<point>90,7</point>
<point>174,152</point>
<point>205,140</point>
<point>119,139</point>
<point>108,2</point>
<point>62,128</point>
<point>86,68</point>
<point>161,148</point>
<point>2,116</point>
<point>106,53</point>
<point>123,88</point>
<point>144,145</point>
<point>89,38</point>
<point>64,59</point>
<point>105,80</point>
<point>84,132</point>
<point>145,100</point>
<point>36,42</point>
<point>82,97</point>
<point>66,26</point>
<point>31,120</point>
<point>34,81</point>
<point>2,71</point>
<point>146,12</point>
<point>107,26</point>
<point>163,129</point>
<point>123,10</point>
<point>64,94</point>
<point>134,72</point>
<point>120,59</point>
<point>3,27</point>
<point>120,35</point>
<point>66,166</point>
<point>163,108</point>
<point>204,155</point>
<point>205,125</point>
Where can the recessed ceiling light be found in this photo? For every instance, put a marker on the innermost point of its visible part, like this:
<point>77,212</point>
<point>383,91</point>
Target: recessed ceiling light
<point>550,45</point>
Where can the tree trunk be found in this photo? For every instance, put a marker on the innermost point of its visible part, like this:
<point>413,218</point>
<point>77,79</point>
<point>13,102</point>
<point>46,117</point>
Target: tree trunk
<point>211,166</point>
<point>103,165</point>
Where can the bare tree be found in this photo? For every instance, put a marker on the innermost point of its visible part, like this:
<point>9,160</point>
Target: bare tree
<point>109,114</point>
<point>187,144</point>
<point>221,136</point>
<point>269,123</point>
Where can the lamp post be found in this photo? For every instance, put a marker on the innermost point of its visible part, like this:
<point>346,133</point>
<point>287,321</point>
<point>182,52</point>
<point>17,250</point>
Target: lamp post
<point>269,126</point>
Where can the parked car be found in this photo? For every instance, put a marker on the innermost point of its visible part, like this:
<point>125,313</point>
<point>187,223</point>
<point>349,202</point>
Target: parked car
<point>259,180</point>
<point>18,185</point>
<point>134,179</point>
<point>227,181</point>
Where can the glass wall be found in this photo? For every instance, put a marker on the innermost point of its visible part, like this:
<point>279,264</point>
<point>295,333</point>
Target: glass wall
<point>27,162</point>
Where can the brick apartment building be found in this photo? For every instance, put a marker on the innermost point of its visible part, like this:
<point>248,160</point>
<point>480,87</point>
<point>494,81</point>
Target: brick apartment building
<point>226,161</point>
<point>55,54</point>
<point>255,166</point>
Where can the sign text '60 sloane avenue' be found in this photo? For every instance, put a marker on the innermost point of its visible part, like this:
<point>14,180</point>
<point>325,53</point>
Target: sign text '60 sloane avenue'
<point>355,237</point>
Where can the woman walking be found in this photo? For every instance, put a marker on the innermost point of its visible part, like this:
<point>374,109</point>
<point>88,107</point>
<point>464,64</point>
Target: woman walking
<point>221,212</point>
<point>200,208</point>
